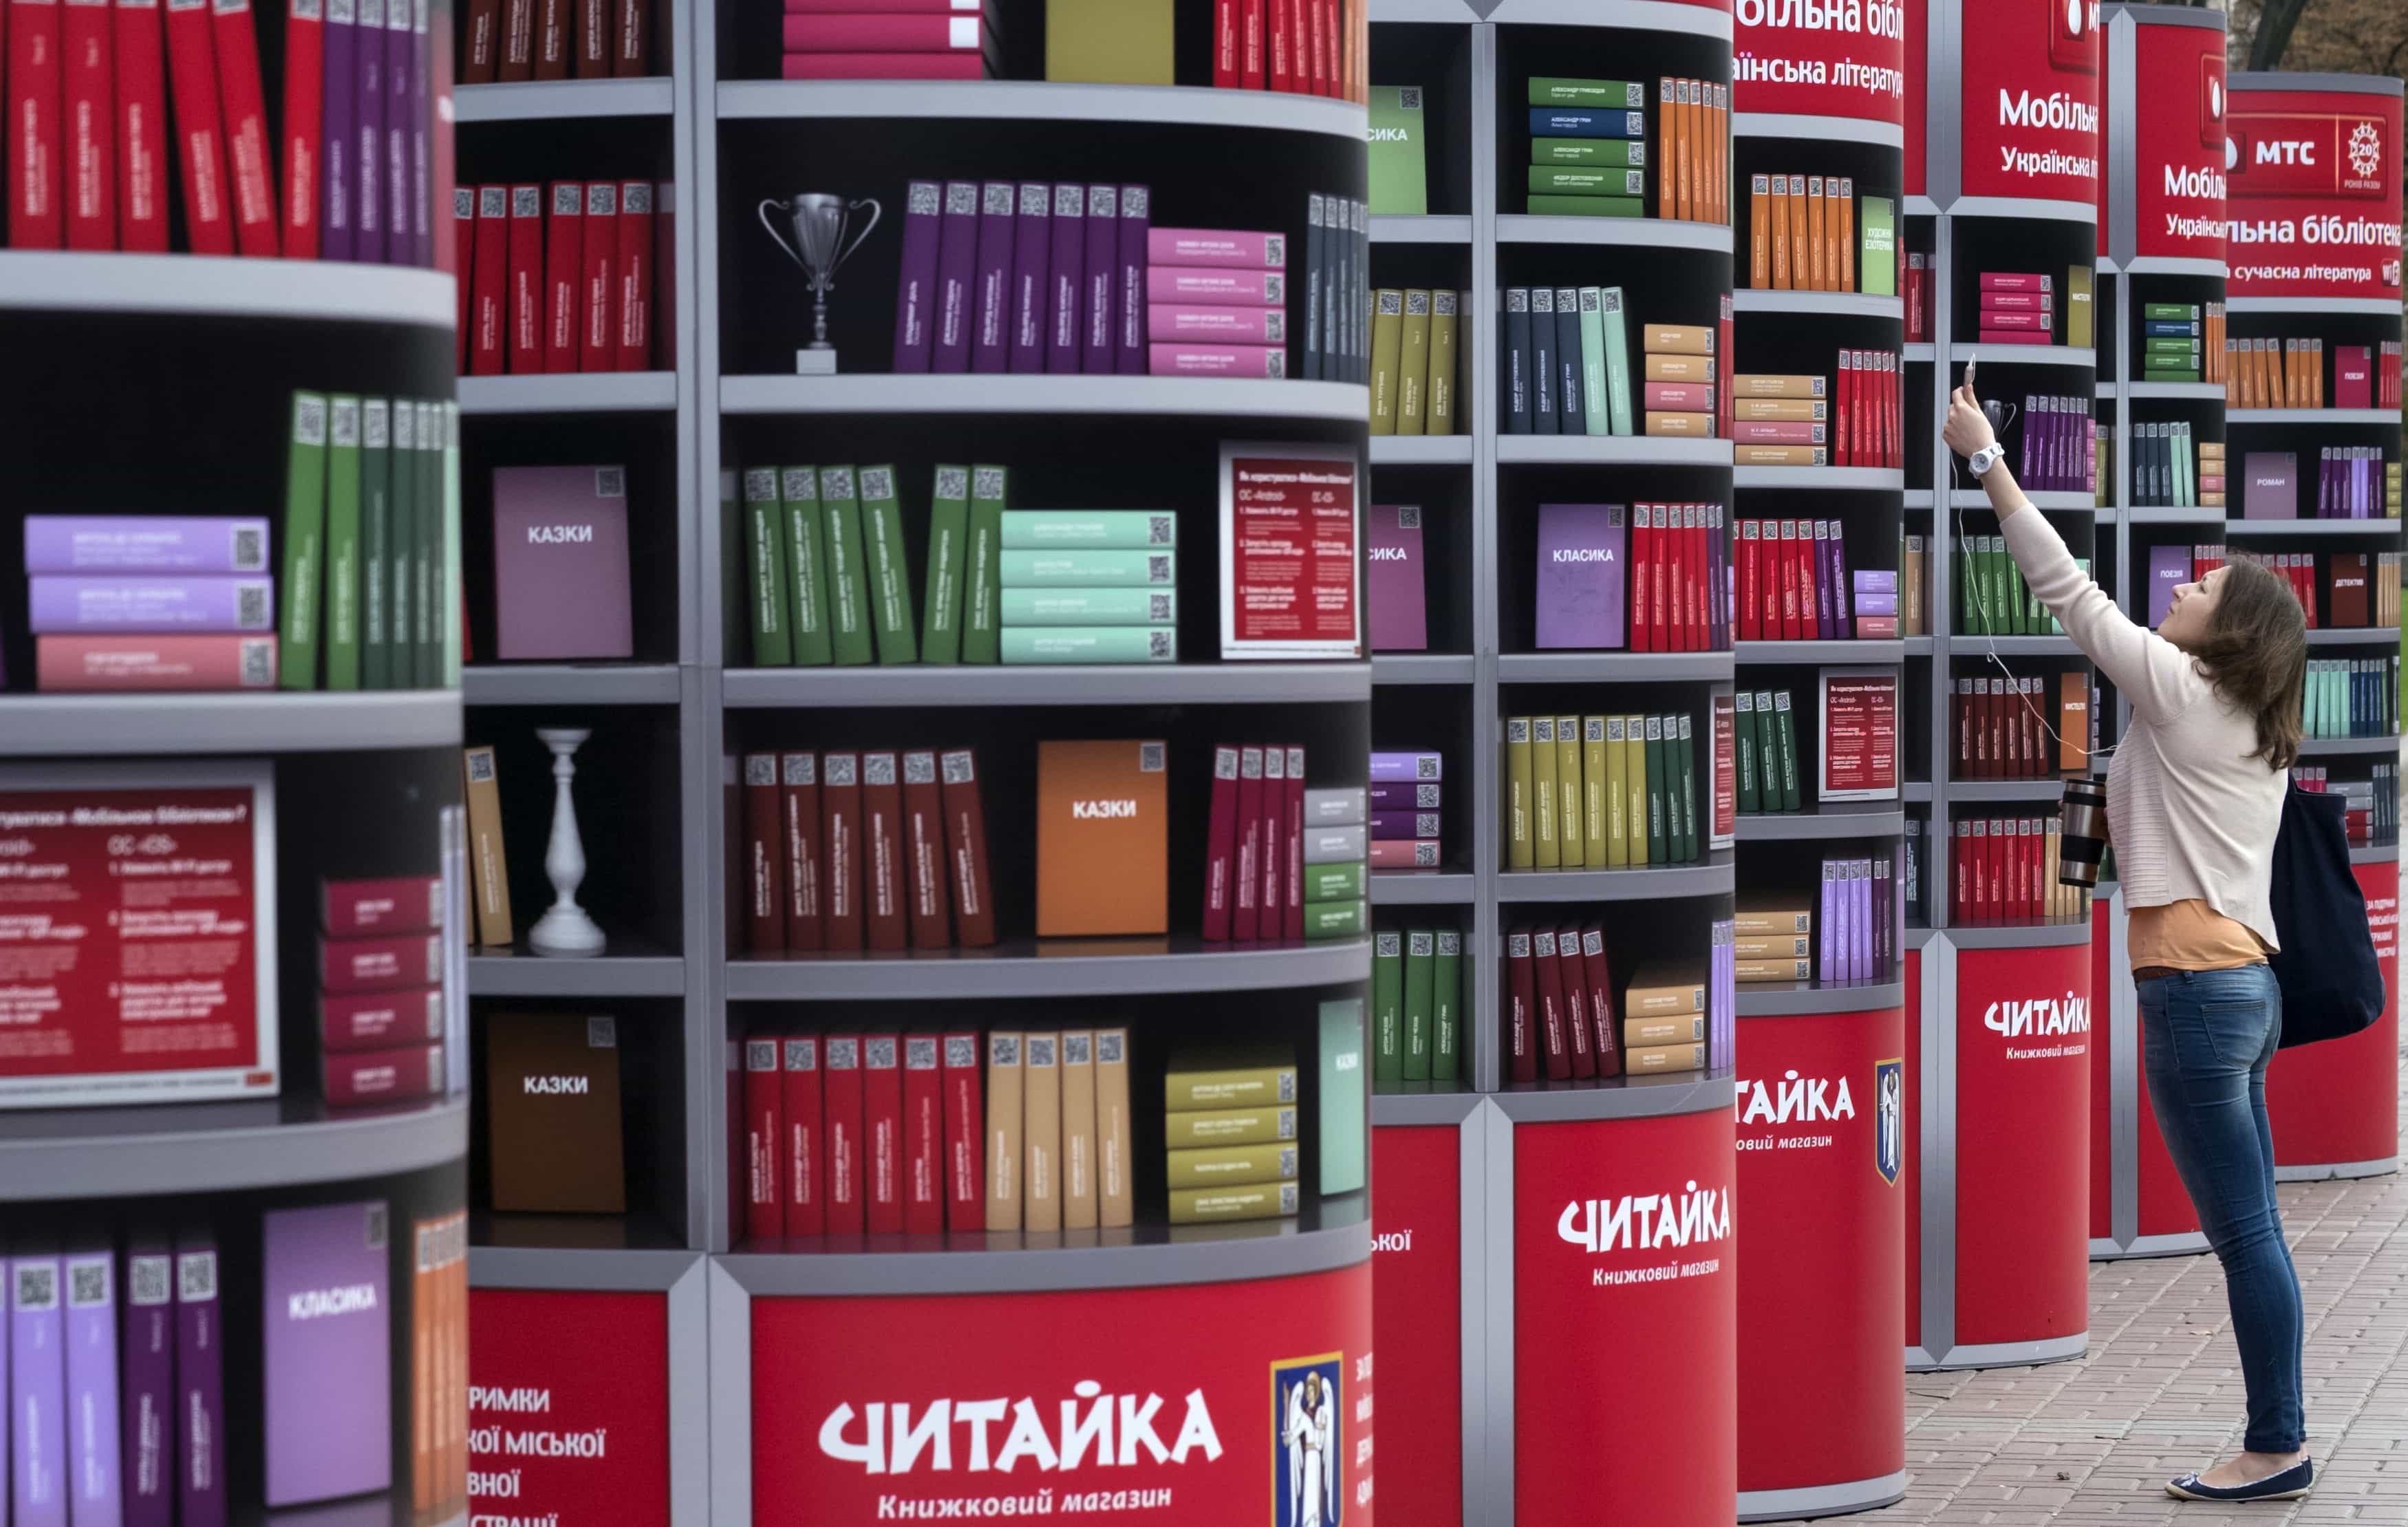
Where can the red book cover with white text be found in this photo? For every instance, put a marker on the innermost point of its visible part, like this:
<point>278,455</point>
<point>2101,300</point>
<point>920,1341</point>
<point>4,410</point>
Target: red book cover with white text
<point>1224,44</point>
<point>354,1078</point>
<point>1270,860</point>
<point>1221,847</point>
<point>489,282</point>
<point>139,60</point>
<point>1521,1007</point>
<point>634,276</point>
<point>305,95</point>
<point>884,888</point>
<point>882,1114</point>
<point>924,1137</point>
<point>1607,1033</point>
<point>964,1135</point>
<point>36,212</point>
<point>1246,901</point>
<point>843,1104</point>
<point>599,349</point>
<point>1250,44</point>
<point>840,839</point>
<point>1547,972</point>
<point>200,141</point>
<point>804,1170</point>
<point>244,106</point>
<point>1279,42</point>
<point>765,1199</point>
<point>564,276</point>
<point>91,188</point>
<point>1575,985</point>
<point>525,281</point>
<point>463,240</point>
<point>1292,834</point>
<point>800,791</point>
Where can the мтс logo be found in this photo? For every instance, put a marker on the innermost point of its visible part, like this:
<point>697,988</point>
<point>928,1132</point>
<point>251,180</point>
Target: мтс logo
<point>2365,150</point>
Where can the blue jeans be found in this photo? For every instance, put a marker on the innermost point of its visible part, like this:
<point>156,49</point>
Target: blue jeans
<point>2208,1037</point>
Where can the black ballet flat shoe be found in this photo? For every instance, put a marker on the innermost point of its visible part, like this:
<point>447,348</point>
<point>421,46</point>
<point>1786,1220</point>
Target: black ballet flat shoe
<point>2289,1485</point>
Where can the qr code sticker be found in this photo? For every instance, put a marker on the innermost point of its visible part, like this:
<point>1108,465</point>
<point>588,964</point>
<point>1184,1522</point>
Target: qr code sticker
<point>1004,1049</point>
<point>1287,1198</point>
<point>959,768</point>
<point>1158,607</point>
<point>1161,530</point>
<point>1108,1049</point>
<point>1409,517</point>
<point>197,1275</point>
<point>878,768</point>
<point>1148,758</point>
<point>919,1054</point>
<point>802,1055</point>
<point>1287,1163</point>
<point>481,766</point>
<point>760,769</point>
<point>878,483</point>
<point>1078,1049</point>
<point>802,769</point>
<point>879,1054</point>
<point>250,606</point>
<point>843,1054</point>
<point>1409,99</point>
<point>1040,1050</point>
<point>610,481</point>
<point>760,1055</point>
<point>1287,1124</point>
<point>1157,646</point>
<point>1426,767</point>
<point>1287,1086</point>
<point>843,770</point>
<point>146,1279</point>
<point>310,420</point>
<point>258,664</point>
<point>378,1227</point>
<point>961,1050</point>
<point>37,1286</point>
<point>952,483</point>
<point>919,769</point>
<point>1158,569</point>
<point>601,1033</point>
<point>88,1283</point>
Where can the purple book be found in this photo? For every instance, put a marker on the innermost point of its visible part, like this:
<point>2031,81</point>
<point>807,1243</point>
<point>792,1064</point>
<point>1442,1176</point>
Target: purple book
<point>1100,282</point>
<point>1827,924</point>
<point>92,1460</point>
<point>1137,219</point>
<point>2270,485</point>
<point>1581,563</point>
<point>560,563</point>
<point>1032,293</point>
<point>38,1380</point>
<point>1404,796</point>
<point>1405,825</point>
<point>1409,768</point>
<point>1827,616</point>
<point>144,543</point>
<point>400,120</point>
<point>991,341</point>
<point>338,123</point>
<point>326,1318</point>
<point>367,134</point>
<point>1070,259</point>
<point>200,1384</point>
<point>59,603</point>
<point>958,248</point>
<point>1876,604</point>
<point>915,288</point>
<point>422,139</point>
<point>1395,591</point>
<point>147,1426</point>
<point>1873,580</point>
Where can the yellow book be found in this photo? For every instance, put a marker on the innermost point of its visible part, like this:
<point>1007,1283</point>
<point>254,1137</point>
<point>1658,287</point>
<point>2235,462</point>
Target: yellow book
<point>1549,849</point>
<point>1115,1138</point>
<point>1230,1166</point>
<point>1040,1123</point>
<point>1596,819</point>
<point>1240,1077</point>
<point>1387,341</point>
<point>1079,1166</point>
<point>1227,1127</point>
<point>1785,410</point>
<point>1910,593</point>
<point>1634,779</point>
<point>1759,233</point>
<point>1569,831</point>
<point>1521,836</point>
<point>1413,366</point>
<point>1443,351</point>
<point>1655,1058</point>
<point>1004,1135</point>
<point>1617,796</point>
<point>1674,1029</point>
<point>1694,426</point>
<point>1110,42</point>
<point>1257,1201</point>
<point>1818,240</point>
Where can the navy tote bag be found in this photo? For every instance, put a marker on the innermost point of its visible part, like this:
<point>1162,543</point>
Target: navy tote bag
<point>2332,985</point>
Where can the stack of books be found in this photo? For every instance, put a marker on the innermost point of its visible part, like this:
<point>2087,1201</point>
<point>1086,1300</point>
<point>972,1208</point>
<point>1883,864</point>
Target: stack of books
<point>1681,353</point>
<point>370,545</point>
<point>2211,473</point>
<point>1417,999</point>
<point>1668,1020</point>
<point>850,851</point>
<point>507,41</point>
<point>2358,592</point>
<point>1993,599</point>
<point>1096,585</point>
<point>1282,860</point>
<point>2006,873</point>
<point>1567,363</point>
<point>2170,567</point>
<point>1247,339</point>
<point>1795,584</point>
<point>825,569</point>
<point>1765,740</point>
<point>1588,149</point>
<point>1395,588</point>
<point>1337,859</point>
<point>2279,373</point>
<point>1230,1127</point>
<point>560,277</point>
<point>1772,938</point>
<point>2371,815</point>
<point>2168,466</point>
<point>1602,792</point>
<point>149,603</point>
<point>1867,429</point>
<point>1804,236</point>
<point>2353,697</point>
<point>1650,584</point>
<point>2017,307</point>
<point>1413,783</point>
<point>2007,728</point>
<point>1559,1005</point>
<point>848,39</point>
<point>1761,399</point>
<point>2058,448</point>
<point>1876,603</point>
<point>380,964</point>
<point>2176,340</point>
<point>1413,360</point>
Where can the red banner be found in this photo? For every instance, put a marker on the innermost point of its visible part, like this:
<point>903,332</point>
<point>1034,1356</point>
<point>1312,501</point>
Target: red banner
<point>1909,1183</point>
<point>2313,180</point>
<point>568,1408</point>
<point>1822,1119</point>
<point>1192,1405</point>
<point>2338,1103</point>
<point>2178,142</point>
<point>2030,100</point>
<point>1820,58</point>
<point>1417,1319</point>
<point>1917,105</point>
<point>1624,1334</point>
<point>2102,1131</point>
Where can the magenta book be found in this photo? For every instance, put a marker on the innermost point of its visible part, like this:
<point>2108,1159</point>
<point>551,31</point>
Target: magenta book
<point>326,1320</point>
<point>1396,590</point>
<point>560,563</point>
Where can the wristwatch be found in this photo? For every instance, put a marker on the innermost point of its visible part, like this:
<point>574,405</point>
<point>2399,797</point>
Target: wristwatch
<point>1986,457</point>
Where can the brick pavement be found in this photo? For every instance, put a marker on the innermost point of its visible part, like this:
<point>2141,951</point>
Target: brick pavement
<point>2091,1443</point>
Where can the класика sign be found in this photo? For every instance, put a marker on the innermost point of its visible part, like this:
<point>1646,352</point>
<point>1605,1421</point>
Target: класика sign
<point>2312,181</point>
<point>2029,101</point>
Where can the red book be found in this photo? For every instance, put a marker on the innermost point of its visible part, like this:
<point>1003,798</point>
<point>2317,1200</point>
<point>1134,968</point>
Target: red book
<point>592,38</point>
<point>358,908</point>
<point>1547,975</point>
<point>598,313</point>
<point>193,71</point>
<point>1300,46</point>
<point>1282,49</point>
<point>1897,437</point>
<point>381,1020</point>
<point>924,1137</point>
<point>967,66</point>
<point>1702,581</point>
<point>552,25</point>
<point>1977,900</point>
<point>631,38</point>
<point>1292,905</point>
<point>563,273</point>
<point>525,280</point>
<point>518,41</point>
<point>91,188</point>
<point>1315,47</point>
<point>244,107</point>
<point>1809,574</point>
<point>764,858</point>
<point>1844,389</point>
<point>1221,847</point>
<point>370,1076</point>
<point>924,851</point>
<point>840,821</point>
<point>36,212</point>
<point>843,1104</point>
<point>2000,909</point>
<point>140,61</point>
<point>964,1135</point>
<point>634,276</point>
<point>765,1200</point>
<point>1521,1007</point>
<point>882,1112</point>
<point>386,964</point>
<point>1224,44</point>
<point>1251,62</point>
<point>966,849</point>
<point>1575,985</point>
<point>489,283</point>
<point>1750,617</point>
<point>1270,857</point>
<point>1635,583</point>
<point>304,121</point>
<point>1599,977</point>
<point>883,887</point>
<point>804,1170</point>
<point>1244,917</point>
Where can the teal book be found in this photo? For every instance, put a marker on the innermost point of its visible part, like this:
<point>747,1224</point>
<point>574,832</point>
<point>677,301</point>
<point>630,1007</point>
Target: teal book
<point>848,580</point>
<point>454,642</point>
<point>434,598</point>
<point>982,575</point>
<point>1547,181</point>
<point>1089,569</point>
<point>1387,1007</point>
<point>1400,185</point>
<point>1446,1007</point>
<point>401,547</point>
<point>1876,246</point>
<point>1562,206</point>
<point>1090,644</point>
<point>1659,837</point>
<point>1421,956</point>
<point>1090,529</point>
<point>1786,715</point>
<point>1597,412</point>
<point>343,543</point>
<point>376,514</point>
<point>1692,840</point>
<point>1090,607</point>
<point>807,566</point>
<point>1590,152</point>
<point>305,544</point>
<point>949,546</point>
<point>1615,334</point>
<point>890,570</point>
<point>1743,750</point>
<point>765,570</point>
<point>1343,1108</point>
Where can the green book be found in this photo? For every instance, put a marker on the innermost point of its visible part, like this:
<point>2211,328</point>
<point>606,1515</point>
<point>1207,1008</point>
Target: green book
<point>1561,205</point>
<point>1676,810</point>
<point>1387,1007</point>
<point>1593,407</point>
<point>982,575</point>
<point>2169,373</point>
<point>1590,152</point>
<point>376,514</point>
<point>2170,313</point>
<point>1089,569</point>
<point>1876,246</point>
<point>949,546</point>
<point>433,602</point>
<point>1335,882</point>
<point>1767,752</point>
<point>1743,752</point>
<point>1342,1131</point>
<point>1446,1007</point>
<point>807,566</point>
<point>848,579</point>
<point>1421,954</point>
<point>451,647</point>
<point>2185,462</point>
<point>764,569</point>
<point>1090,529</point>
<point>1687,769</point>
<point>1615,334</point>
<point>1787,729</point>
<point>890,570</point>
<point>1659,834</point>
<point>305,533</point>
<point>1090,607</point>
<point>1600,95</point>
<point>1398,180</point>
<point>1337,919</point>
<point>1388,346</point>
<point>401,548</point>
<point>1090,644</point>
<point>343,543</point>
<point>1546,181</point>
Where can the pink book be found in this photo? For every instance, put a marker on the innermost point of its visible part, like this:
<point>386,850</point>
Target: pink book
<point>1876,627</point>
<point>1404,854</point>
<point>381,1020</point>
<point>2016,302</point>
<point>884,8</point>
<point>1679,397</point>
<point>358,908</point>
<point>130,664</point>
<point>2039,320</point>
<point>1258,362</point>
<point>1244,904</point>
<point>1219,248</point>
<point>1216,325</point>
<point>2014,281</point>
<point>346,965</point>
<point>2013,337</point>
<point>1772,432</point>
<point>367,1077</point>
<point>1206,287</point>
<point>1270,864</point>
<point>883,66</point>
<point>859,33</point>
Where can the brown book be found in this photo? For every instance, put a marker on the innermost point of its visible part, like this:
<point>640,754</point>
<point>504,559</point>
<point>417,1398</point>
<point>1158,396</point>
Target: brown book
<point>1004,1136</point>
<point>1764,916</point>
<point>479,48</point>
<point>489,869</point>
<point>552,39</point>
<point>632,24</point>
<point>1665,988</point>
<point>1773,969</point>
<point>1102,838</point>
<point>2073,721</point>
<point>518,41</point>
<point>1685,138</point>
<point>1752,946</point>
<point>1676,1028</point>
<point>840,837</point>
<point>1769,384</point>
<point>1679,368</point>
<point>1818,239</point>
<point>1040,1124</point>
<point>764,858</point>
<point>1115,1140</point>
<point>2345,593</point>
<point>966,849</point>
<point>594,40</point>
<point>1639,1062</point>
<point>924,850</point>
<point>1780,455</point>
<point>551,1113</point>
<point>885,888</point>
<point>799,788</point>
<point>1784,410</point>
<point>1079,1201</point>
<point>1676,339</point>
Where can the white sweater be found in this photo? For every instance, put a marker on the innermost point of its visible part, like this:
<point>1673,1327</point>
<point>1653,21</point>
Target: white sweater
<point>2194,815</point>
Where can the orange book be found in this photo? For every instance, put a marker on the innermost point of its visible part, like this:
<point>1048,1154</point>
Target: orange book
<point>2316,355</point>
<point>1759,251</point>
<point>1818,239</point>
<point>1846,206</point>
<point>1667,184</point>
<point>1102,838</point>
<point>1722,153</point>
<point>1685,149</point>
<point>1778,199</point>
<point>1801,236</point>
<point>423,1323</point>
<point>1701,145</point>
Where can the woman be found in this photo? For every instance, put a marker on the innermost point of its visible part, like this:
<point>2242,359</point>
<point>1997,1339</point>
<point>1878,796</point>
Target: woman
<point>2194,798</point>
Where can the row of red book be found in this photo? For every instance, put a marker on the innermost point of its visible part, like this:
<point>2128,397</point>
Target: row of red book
<point>510,40</point>
<point>561,275</point>
<point>1795,584</point>
<point>1300,46</point>
<point>846,851</point>
<point>2012,727</point>
<point>2005,872</point>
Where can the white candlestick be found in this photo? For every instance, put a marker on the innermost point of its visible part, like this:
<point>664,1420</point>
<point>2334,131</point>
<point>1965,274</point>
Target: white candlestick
<point>566,930</point>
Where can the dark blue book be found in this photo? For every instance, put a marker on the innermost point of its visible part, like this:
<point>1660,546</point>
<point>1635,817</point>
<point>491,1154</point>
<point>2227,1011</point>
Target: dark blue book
<point>1559,121</point>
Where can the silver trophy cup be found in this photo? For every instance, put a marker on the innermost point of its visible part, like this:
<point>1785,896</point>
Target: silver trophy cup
<point>819,223</point>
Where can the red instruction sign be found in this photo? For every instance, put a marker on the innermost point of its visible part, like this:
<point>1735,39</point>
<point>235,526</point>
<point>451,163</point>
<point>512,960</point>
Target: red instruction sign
<point>1859,737</point>
<point>1291,571</point>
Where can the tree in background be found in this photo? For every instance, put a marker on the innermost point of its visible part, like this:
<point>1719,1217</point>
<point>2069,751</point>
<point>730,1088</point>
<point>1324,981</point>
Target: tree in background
<point>2321,36</point>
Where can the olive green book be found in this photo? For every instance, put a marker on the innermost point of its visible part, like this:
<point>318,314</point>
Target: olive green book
<point>764,569</point>
<point>1691,837</point>
<point>453,644</point>
<point>1232,1076</point>
<point>401,547</point>
<point>1110,42</point>
<point>343,543</point>
<point>1399,179</point>
<point>1659,823</point>
<point>848,576</point>
<point>304,538</point>
<point>376,514</point>
<point>1258,1201</point>
<point>1185,1128</point>
<point>1421,956</point>
<point>949,536</point>
<point>1547,850</point>
<point>1562,206</point>
<point>1438,416</point>
<point>434,597</point>
<point>1387,1007</point>
<point>1230,1166</point>
<point>1586,180</point>
<point>1337,919</point>
<point>807,566</point>
<point>1786,730</point>
<point>1334,882</point>
<point>1570,837</point>
<point>890,570</point>
<point>982,573</point>
<point>1521,787</point>
<point>1446,1007</point>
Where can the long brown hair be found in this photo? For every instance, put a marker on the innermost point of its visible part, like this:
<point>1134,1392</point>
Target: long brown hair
<point>2255,653</point>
